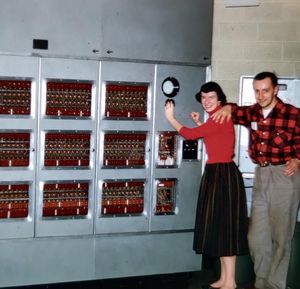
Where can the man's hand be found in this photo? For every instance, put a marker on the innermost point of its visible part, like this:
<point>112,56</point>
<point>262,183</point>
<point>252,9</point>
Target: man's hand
<point>222,114</point>
<point>291,167</point>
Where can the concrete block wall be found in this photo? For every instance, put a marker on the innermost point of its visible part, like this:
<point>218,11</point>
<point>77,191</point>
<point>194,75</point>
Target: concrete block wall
<point>248,40</point>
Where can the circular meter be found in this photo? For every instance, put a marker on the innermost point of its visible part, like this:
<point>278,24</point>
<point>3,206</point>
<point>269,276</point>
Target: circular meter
<point>170,86</point>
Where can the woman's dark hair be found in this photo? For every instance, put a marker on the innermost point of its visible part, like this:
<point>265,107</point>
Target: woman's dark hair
<point>267,74</point>
<point>212,86</point>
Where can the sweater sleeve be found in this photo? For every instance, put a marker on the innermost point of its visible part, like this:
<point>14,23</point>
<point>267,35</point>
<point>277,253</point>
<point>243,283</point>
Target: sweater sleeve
<point>207,128</point>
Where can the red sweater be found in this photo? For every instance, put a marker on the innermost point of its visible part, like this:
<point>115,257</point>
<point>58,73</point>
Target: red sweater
<point>219,139</point>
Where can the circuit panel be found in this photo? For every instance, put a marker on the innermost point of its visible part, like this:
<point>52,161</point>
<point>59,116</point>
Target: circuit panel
<point>14,149</point>
<point>124,149</point>
<point>165,196</point>
<point>126,100</point>
<point>67,149</point>
<point>68,99</point>
<point>15,97</point>
<point>122,197</point>
<point>167,149</point>
<point>65,199</point>
<point>14,200</point>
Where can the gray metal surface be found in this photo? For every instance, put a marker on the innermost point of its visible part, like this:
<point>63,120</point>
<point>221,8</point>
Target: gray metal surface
<point>126,73</point>
<point>54,260</point>
<point>68,70</point>
<point>188,173</point>
<point>16,67</point>
<point>156,30</point>
<point>168,30</point>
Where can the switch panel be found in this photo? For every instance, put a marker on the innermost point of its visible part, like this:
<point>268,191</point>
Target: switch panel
<point>14,149</point>
<point>190,150</point>
<point>68,99</point>
<point>122,197</point>
<point>124,149</point>
<point>65,199</point>
<point>14,200</point>
<point>15,97</point>
<point>126,100</point>
<point>67,149</point>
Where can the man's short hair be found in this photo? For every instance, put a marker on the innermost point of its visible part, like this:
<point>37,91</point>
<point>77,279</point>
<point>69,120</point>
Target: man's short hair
<point>267,74</point>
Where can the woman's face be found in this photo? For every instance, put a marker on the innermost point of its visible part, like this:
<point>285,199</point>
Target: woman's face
<point>209,101</point>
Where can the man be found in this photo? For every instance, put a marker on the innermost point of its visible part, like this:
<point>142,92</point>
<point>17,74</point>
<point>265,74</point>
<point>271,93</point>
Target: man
<point>274,146</point>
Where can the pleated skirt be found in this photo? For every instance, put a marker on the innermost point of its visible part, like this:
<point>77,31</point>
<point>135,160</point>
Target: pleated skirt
<point>221,218</point>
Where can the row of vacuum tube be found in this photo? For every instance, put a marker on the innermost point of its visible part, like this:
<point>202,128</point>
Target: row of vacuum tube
<point>74,99</point>
<point>70,199</point>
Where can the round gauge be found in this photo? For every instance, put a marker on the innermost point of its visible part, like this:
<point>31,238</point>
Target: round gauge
<point>170,86</point>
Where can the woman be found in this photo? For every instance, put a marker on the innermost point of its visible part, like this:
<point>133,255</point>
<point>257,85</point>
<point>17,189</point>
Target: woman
<point>221,217</point>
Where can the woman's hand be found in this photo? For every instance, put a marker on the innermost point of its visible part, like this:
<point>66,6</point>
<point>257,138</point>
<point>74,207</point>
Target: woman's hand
<point>195,116</point>
<point>169,110</point>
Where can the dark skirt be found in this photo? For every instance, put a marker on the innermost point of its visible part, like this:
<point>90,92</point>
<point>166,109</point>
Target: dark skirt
<point>221,218</point>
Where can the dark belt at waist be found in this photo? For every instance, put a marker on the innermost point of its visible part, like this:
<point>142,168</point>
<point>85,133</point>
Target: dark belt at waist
<point>266,164</point>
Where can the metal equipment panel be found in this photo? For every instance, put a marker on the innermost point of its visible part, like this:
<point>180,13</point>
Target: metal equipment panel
<point>83,167</point>
<point>177,163</point>
<point>125,140</point>
<point>18,96</point>
<point>67,141</point>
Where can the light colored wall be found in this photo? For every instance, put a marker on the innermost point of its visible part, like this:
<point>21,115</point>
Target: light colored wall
<point>248,40</point>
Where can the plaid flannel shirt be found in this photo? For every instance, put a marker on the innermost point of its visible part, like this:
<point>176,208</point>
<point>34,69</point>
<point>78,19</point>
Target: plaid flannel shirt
<point>274,139</point>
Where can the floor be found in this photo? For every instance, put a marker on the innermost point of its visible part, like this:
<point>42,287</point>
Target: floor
<point>188,280</point>
<point>191,280</point>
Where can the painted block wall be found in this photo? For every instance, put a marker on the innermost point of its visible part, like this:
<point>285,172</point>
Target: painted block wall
<point>248,40</point>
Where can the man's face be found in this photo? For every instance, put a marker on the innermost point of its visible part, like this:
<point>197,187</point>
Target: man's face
<point>265,93</point>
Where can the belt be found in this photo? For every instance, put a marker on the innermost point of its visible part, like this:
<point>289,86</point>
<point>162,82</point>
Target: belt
<point>266,164</point>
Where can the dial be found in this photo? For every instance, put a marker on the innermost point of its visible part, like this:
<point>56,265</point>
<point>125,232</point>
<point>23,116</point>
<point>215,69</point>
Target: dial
<point>170,87</point>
